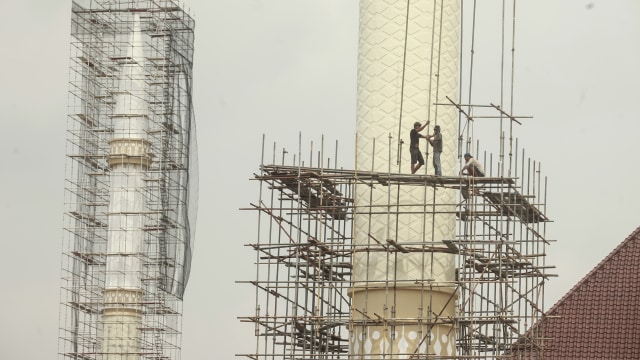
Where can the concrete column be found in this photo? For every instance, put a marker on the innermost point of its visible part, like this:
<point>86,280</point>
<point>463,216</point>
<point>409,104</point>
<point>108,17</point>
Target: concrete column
<point>129,160</point>
<point>396,295</point>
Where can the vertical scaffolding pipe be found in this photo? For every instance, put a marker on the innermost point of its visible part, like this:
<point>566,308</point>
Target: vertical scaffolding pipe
<point>398,43</point>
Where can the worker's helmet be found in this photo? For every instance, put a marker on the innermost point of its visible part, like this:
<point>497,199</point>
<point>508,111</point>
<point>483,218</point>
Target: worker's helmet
<point>437,127</point>
<point>417,123</point>
<point>467,155</point>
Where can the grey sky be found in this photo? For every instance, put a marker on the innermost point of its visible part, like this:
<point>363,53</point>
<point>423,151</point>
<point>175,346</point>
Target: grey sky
<point>279,67</point>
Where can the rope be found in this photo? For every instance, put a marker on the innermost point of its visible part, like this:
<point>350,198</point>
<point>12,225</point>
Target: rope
<point>473,44</point>
<point>404,66</point>
<point>513,65</point>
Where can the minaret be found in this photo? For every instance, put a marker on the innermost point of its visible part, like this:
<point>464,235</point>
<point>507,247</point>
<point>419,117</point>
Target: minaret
<point>129,160</point>
<point>407,62</point>
<point>131,181</point>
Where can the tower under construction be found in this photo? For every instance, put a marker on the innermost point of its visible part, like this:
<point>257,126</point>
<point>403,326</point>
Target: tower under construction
<point>130,176</point>
<point>375,262</point>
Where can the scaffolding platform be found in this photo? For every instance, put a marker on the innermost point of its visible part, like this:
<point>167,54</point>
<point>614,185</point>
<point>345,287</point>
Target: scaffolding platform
<point>309,252</point>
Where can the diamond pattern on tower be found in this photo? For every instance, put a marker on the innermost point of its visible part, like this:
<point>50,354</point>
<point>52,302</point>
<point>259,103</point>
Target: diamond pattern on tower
<point>430,75</point>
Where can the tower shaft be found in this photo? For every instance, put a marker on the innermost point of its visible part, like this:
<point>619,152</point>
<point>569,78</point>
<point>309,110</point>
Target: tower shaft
<point>129,159</point>
<point>407,61</point>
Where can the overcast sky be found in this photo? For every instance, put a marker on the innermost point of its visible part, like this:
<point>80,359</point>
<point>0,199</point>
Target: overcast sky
<point>281,67</point>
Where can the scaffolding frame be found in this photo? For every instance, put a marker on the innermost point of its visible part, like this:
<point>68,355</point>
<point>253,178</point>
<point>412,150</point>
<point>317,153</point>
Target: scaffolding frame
<point>305,247</point>
<point>100,32</point>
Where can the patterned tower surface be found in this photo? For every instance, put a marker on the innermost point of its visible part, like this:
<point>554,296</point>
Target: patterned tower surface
<point>131,181</point>
<point>419,45</point>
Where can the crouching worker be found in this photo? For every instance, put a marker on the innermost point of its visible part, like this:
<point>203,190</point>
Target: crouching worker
<point>472,167</point>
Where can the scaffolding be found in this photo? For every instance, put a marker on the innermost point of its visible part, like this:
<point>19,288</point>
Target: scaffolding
<point>162,182</point>
<point>305,252</point>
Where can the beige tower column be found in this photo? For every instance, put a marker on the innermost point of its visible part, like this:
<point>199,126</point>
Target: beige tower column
<point>129,160</point>
<point>398,296</point>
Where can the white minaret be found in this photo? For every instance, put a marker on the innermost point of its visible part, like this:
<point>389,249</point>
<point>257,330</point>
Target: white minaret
<point>129,160</point>
<point>400,295</point>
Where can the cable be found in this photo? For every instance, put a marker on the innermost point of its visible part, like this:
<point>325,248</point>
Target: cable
<point>404,66</point>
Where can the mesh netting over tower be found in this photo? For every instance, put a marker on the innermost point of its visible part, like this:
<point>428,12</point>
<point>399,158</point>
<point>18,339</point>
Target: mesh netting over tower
<point>131,180</point>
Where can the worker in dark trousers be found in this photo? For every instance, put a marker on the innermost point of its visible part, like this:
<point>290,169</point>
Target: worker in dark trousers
<point>416,156</point>
<point>472,167</point>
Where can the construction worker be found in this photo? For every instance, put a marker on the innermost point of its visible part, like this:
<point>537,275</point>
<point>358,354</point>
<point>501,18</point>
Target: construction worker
<point>472,167</point>
<point>436,141</point>
<point>416,156</point>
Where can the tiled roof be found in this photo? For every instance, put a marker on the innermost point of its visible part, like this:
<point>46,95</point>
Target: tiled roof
<point>599,318</point>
